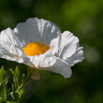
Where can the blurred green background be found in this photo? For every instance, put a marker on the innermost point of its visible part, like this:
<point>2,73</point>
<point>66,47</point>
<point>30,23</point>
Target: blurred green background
<point>84,18</point>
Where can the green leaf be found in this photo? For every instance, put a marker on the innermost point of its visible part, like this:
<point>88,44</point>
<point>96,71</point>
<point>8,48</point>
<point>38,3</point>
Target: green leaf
<point>3,91</point>
<point>6,80</point>
<point>22,78</point>
<point>15,79</point>
<point>2,72</point>
<point>17,71</point>
<point>21,92</point>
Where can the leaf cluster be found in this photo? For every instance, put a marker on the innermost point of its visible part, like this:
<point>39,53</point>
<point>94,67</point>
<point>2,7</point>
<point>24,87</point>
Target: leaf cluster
<point>15,93</point>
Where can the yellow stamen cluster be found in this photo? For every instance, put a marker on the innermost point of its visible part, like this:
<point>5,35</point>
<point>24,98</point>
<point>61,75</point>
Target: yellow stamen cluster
<point>36,48</point>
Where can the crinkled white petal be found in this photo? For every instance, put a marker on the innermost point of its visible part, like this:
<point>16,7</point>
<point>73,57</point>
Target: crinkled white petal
<point>35,29</point>
<point>51,63</point>
<point>66,47</point>
<point>58,66</point>
<point>9,48</point>
<point>68,44</point>
<point>76,57</point>
<point>54,45</point>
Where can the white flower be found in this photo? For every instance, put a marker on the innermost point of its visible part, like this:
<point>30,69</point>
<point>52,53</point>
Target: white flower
<point>39,44</point>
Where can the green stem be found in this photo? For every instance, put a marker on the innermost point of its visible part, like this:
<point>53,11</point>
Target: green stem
<point>28,76</point>
<point>25,81</point>
<point>29,82</point>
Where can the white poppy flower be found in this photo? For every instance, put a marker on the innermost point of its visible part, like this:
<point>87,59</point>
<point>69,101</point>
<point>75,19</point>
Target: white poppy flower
<point>39,44</point>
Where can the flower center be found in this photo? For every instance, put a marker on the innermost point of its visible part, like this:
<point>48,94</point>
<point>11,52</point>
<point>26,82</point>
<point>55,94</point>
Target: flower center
<point>36,48</point>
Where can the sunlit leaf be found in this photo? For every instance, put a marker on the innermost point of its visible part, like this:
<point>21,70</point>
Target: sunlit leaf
<point>17,71</point>
<point>2,72</point>
<point>21,92</point>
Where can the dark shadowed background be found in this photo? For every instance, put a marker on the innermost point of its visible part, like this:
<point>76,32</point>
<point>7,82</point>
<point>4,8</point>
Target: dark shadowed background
<point>84,18</point>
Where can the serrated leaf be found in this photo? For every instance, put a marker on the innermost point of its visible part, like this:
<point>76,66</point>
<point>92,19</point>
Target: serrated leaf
<point>17,71</point>
<point>2,72</point>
